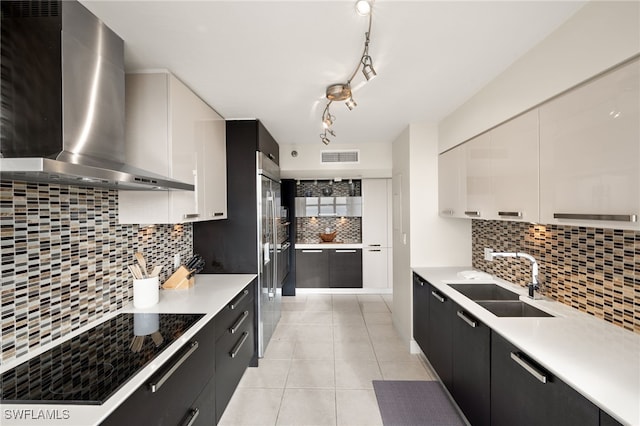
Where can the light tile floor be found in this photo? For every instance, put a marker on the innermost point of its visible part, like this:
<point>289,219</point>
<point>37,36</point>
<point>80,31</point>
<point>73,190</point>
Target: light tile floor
<point>319,365</point>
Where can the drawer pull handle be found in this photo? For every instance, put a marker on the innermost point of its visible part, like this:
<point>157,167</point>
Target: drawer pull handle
<point>345,251</point>
<point>236,302</point>
<point>190,215</point>
<point>216,214</point>
<point>239,322</point>
<point>611,217</point>
<point>448,212</point>
<point>472,213</point>
<point>375,250</point>
<point>466,319</point>
<point>530,368</point>
<point>510,214</point>
<point>238,346</point>
<point>191,419</point>
<point>375,245</point>
<point>312,251</point>
<point>155,386</point>
<point>438,296</point>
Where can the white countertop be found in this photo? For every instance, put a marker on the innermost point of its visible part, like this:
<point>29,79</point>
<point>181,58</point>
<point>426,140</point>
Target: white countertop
<point>329,246</point>
<point>598,359</point>
<point>209,295</point>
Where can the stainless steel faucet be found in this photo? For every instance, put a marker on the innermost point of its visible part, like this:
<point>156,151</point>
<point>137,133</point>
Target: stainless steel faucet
<point>534,285</point>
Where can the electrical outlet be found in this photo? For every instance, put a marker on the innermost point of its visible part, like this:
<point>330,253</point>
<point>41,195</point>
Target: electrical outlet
<point>487,254</point>
<point>176,261</point>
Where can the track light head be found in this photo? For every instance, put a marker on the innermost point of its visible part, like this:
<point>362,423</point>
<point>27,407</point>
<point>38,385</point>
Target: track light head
<point>363,7</point>
<point>351,104</point>
<point>367,68</point>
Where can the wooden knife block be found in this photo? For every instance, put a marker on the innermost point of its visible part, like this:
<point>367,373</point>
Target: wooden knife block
<point>179,280</point>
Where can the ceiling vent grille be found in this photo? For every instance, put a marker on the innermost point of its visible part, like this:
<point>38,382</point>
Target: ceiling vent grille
<point>352,156</point>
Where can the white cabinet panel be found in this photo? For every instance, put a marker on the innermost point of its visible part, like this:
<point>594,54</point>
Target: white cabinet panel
<point>375,267</point>
<point>478,158</point>
<point>375,209</point>
<point>172,132</point>
<point>452,191</point>
<point>590,152</point>
<point>514,147</point>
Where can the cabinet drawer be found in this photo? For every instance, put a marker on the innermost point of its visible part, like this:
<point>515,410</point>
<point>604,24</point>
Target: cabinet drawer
<point>234,352</point>
<point>173,398</point>
<point>234,312</point>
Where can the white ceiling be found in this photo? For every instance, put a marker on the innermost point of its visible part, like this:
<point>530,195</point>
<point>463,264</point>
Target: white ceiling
<point>272,60</point>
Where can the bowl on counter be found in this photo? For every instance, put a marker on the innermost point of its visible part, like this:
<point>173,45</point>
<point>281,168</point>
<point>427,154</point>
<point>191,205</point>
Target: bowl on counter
<point>327,238</point>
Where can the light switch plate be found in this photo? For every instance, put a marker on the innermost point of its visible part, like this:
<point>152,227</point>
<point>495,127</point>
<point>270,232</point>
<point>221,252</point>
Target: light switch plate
<point>487,254</point>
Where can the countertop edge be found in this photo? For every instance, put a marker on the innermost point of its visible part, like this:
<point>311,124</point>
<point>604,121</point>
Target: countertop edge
<point>602,344</point>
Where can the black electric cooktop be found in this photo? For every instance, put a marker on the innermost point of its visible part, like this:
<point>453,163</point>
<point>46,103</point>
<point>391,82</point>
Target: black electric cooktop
<point>92,366</point>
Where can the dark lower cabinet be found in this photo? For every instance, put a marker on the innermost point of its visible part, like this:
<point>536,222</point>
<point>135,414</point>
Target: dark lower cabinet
<point>607,420</point>
<point>471,370</point>
<point>345,268</point>
<point>421,296</point>
<point>335,268</point>
<point>312,268</point>
<point>440,329</point>
<point>179,387</point>
<point>523,393</point>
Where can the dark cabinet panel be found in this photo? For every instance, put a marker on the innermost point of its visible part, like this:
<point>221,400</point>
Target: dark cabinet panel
<point>607,420</point>
<point>173,399</point>
<point>345,268</point>
<point>421,296</point>
<point>440,332</point>
<point>471,369</point>
<point>523,393</point>
<point>312,268</point>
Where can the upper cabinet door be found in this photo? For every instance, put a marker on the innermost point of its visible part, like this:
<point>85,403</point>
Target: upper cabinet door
<point>590,153</point>
<point>172,132</point>
<point>478,159</point>
<point>514,152</point>
<point>452,191</point>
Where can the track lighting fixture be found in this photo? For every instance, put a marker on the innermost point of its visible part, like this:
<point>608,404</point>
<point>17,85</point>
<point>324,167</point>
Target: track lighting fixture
<point>342,91</point>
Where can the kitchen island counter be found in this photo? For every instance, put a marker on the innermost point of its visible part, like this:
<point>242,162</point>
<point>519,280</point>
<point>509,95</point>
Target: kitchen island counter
<point>211,293</point>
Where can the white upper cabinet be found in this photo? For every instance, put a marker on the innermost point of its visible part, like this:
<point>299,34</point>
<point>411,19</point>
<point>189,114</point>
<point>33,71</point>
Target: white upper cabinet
<point>452,192</point>
<point>479,196</point>
<point>172,132</point>
<point>494,175</point>
<point>514,163</point>
<point>590,153</point>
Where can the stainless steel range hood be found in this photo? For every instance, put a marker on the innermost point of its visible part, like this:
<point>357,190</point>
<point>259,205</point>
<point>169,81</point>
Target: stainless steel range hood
<point>62,109</point>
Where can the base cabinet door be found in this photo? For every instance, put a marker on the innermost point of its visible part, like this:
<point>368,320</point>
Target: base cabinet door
<point>523,393</point>
<point>440,335</point>
<point>471,370</point>
<point>421,296</point>
<point>312,268</point>
<point>345,268</point>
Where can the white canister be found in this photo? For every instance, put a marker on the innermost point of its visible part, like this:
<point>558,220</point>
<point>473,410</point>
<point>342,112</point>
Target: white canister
<point>146,292</point>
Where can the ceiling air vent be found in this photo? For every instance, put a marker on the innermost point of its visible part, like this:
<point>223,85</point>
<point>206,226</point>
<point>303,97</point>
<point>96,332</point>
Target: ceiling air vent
<point>352,156</point>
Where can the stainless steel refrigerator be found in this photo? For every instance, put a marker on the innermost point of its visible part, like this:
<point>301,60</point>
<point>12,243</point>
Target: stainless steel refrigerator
<point>247,242</point>
<point>269,282</point>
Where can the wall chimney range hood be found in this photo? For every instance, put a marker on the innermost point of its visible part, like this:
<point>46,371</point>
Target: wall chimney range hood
<point>62,100</point>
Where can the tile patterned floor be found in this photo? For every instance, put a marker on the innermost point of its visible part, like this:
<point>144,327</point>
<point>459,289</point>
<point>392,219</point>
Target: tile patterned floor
<point>319,365</point>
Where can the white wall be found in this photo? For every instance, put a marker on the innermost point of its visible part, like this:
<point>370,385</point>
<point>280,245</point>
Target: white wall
<point>599,36</point>
<point>430,239</point>
<point>375,161</point>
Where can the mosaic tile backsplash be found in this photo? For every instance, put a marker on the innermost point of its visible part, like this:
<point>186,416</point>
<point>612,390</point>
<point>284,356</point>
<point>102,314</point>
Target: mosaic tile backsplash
<point>594,270</point>
<point>64,259</point>
<point>313,188</point>
<point>308,229</point>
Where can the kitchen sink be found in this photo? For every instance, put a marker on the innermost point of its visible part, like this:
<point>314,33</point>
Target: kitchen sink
<point>485,291</point>
<point>513,309</point>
